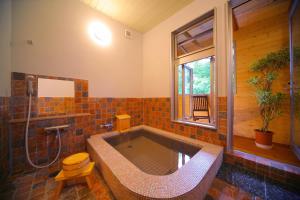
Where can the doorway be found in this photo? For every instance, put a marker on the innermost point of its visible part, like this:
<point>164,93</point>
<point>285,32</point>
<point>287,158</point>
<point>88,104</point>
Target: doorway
<point>258,29</point>
<point>294,30</point>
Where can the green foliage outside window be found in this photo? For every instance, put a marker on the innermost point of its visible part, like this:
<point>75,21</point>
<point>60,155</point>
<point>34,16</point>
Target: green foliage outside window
<point>201,77</point>
<point>179,79</point>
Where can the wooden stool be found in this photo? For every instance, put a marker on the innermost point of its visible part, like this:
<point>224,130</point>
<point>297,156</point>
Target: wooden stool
<point>75,166</point>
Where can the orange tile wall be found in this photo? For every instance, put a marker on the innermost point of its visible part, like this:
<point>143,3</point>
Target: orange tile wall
<point>155,112</point>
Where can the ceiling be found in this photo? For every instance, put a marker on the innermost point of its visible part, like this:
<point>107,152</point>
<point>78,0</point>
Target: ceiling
<point>141,15</point>
<point>249,12</point>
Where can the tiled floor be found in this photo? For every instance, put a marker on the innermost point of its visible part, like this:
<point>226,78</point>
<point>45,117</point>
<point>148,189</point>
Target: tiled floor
<point>256,185</point>
<point>229,184</point>
<point>39,186</point>
<point>281,153</point>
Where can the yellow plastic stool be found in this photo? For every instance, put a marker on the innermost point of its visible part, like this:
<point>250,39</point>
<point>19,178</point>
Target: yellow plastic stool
<point>75,166</point>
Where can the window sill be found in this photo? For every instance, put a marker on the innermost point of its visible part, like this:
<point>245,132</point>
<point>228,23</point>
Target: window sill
<point>212,127</point>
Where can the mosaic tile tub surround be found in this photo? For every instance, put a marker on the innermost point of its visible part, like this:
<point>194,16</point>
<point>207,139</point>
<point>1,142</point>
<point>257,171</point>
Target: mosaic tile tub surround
<point>127,181</point>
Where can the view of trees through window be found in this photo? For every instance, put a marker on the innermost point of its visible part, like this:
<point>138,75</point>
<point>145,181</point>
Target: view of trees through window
<point>201,77</point>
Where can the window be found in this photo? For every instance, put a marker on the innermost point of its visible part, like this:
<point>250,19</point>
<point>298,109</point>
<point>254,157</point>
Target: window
<point>194,99</point>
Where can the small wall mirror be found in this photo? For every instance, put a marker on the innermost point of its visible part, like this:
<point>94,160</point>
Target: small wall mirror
<point>55,88</point>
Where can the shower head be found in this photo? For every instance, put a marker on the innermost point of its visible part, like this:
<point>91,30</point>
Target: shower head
<point>30,79</point>
<point>30,76</point>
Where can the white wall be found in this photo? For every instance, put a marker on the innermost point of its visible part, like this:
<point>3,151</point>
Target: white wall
<point>62,47</point>
<point>157,48</point>
<point>5,49</point>
<point>127,68</point>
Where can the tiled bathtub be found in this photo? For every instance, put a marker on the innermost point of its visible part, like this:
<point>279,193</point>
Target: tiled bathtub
<point>127,181</point>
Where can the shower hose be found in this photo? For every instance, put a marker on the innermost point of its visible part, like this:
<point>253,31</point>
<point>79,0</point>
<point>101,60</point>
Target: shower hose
<point>27,136</point>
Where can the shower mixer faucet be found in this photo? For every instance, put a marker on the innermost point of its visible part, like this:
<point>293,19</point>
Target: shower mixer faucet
<point>108,126</point>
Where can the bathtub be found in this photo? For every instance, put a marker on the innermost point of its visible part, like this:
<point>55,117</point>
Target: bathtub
<point>171,167</point>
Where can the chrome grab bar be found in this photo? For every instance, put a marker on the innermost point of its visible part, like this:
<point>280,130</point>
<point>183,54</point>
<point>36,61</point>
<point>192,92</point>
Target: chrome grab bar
<point>51,128</point>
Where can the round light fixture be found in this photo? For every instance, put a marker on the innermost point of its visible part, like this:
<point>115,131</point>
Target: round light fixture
<point>100,33</point>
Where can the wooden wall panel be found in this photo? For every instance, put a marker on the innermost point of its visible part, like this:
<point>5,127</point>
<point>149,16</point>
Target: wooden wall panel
<point>253,42</point>
<point>296,43</point>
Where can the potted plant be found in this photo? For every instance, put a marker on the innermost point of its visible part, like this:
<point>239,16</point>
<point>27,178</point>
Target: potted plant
<point>269,102</point>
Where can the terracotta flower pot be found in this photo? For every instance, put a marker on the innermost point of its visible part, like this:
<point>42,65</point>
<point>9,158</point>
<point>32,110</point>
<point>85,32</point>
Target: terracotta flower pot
<point>263,140</point>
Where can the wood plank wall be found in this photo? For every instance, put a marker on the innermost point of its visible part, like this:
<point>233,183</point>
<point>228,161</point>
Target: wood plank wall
<point>252,42</point>
<point>296,43</point>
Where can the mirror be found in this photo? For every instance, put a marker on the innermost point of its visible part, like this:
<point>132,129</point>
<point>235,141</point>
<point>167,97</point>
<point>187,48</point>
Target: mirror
<point>55,88</point>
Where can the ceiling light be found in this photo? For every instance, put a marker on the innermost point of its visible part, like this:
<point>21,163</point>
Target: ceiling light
<point>99,33</point>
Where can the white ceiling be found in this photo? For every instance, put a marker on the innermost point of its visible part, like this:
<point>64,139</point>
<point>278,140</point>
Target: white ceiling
<point>140,15</point>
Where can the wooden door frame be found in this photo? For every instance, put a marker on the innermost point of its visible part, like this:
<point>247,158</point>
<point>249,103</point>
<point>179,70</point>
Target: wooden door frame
<point>295,148</point>
<point>230,78</point>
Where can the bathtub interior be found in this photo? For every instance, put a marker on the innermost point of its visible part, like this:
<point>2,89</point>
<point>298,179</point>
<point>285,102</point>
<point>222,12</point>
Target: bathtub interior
<point>152,153</point>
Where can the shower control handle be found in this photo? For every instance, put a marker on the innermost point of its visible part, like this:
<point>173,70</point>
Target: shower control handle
<point>107,126</point>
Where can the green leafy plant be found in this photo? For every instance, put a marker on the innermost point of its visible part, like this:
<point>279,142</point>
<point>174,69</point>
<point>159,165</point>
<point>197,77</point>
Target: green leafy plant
<point>267,69</point>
